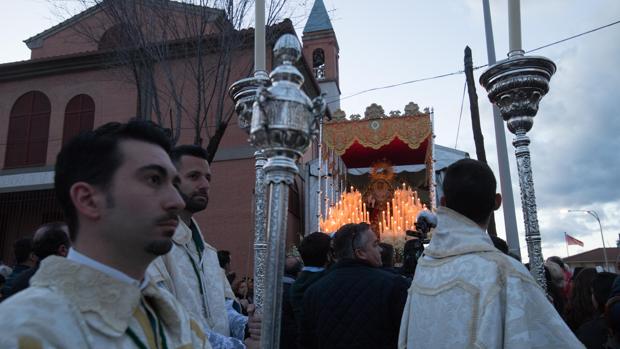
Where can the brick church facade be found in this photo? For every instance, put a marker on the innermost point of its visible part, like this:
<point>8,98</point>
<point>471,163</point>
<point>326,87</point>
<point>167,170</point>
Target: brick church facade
<point>69,86</point>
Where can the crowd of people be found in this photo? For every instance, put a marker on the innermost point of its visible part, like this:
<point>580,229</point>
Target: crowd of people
<point>130,268</point>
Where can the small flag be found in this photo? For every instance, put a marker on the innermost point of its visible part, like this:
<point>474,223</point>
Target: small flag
<point>572,241</point>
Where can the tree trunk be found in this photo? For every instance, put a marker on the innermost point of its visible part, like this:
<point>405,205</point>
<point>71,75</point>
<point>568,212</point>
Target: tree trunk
<point>216,138</point>
<point>136,76</point>
<point>475,121</point>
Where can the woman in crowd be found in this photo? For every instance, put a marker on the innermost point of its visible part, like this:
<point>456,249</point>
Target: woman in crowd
<point>579,308</point>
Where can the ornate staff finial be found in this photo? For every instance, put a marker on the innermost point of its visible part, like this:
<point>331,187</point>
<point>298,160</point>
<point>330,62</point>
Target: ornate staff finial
<point>516,85</point>
<point>284,120</point>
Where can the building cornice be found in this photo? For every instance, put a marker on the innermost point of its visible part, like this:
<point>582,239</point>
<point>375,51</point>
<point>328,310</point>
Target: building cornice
<point>323,34</point>
<point>36,41</point>
<point>95,60</point>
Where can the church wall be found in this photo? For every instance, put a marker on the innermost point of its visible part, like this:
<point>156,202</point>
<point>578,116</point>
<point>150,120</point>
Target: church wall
<point>84,33</point>
<point>73,39</point>
<point>227,224</point>
<point>114,100</point>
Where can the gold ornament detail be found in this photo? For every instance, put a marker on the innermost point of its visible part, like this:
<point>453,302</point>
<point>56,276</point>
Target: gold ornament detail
<point>382,170</point>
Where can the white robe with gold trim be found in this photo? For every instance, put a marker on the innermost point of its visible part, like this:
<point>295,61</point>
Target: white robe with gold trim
<point>176,273</point>
<point>467,294</point>
<point>71,305</point>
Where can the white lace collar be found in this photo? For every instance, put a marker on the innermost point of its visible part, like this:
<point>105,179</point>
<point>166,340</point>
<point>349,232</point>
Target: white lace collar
<point>456,235</point>
<point>78,257</point>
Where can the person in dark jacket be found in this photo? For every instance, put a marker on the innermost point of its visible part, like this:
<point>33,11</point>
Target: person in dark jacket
<point>612,314</point>
<point>49,239</point>
<point>314,250</point>
<point>593,334</point>
<point>288,326</point>
<point>25,260</point>
<point>387,258</point>
<point>356,305</point>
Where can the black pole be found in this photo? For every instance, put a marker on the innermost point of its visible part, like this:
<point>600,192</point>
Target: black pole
<point>475,120</point>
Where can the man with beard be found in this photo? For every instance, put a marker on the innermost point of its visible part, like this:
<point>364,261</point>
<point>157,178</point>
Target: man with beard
<point>116,185</point>
<point>191,270</point>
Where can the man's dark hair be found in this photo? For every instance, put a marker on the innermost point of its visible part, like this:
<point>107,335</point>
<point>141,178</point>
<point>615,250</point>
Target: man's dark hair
<point>557,260</point>
<point>93,157</point>
<point>314,249</point>
<point>469,188</point>
<point>188,149</point>
<point>47,242</point>
<point>223,257</point>
<point>22,249</point>
<point>348,238</point>
<point>387,254</point>
<point>576,272</point>
<point>601,288</point>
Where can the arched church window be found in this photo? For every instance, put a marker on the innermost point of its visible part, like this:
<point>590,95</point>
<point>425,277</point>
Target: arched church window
<point>318,63</point>
<point>29,123</point>
<point>79,116</point>
<point>318,57</point>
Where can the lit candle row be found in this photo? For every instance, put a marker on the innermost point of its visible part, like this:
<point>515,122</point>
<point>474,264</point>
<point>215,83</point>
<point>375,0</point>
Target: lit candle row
<point>349,209</point>
<point>401,213</point>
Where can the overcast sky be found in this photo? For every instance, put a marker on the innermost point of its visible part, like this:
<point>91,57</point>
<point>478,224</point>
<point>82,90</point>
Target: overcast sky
<point>575,144</point>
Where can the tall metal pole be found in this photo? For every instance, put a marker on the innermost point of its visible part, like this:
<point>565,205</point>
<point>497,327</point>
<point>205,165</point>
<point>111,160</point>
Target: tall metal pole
<point>283,121</point>
<point>595,215</point>
<point>508,202</point>
<point>260,224</point>
<point>516,86</point>
<point>243,92</point>
<point>433,182</point>
<point>260,231</point>
<point>259,37</point>
<point>319,191</point>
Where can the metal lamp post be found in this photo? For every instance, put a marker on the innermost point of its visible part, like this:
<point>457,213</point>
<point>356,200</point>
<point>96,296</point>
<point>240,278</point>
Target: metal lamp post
<point>284,120</point>
<point>595,215</point>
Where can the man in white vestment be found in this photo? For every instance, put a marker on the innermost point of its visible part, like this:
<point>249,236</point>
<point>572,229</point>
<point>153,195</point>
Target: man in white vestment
<point>191,270</point>
<point>466,293</point>
<point>116,185</point>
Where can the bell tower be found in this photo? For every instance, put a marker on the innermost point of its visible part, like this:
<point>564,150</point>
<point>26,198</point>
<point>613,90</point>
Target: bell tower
<point>320,49</point>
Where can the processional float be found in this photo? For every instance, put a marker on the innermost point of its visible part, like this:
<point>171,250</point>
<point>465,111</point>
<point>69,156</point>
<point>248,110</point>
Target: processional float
<point>389,167</point>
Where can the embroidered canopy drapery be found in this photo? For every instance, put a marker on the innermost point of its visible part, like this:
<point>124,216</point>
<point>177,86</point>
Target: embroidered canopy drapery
<point>402,140</point>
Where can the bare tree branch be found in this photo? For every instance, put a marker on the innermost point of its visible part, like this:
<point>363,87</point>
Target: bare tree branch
<point>180,55</point>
